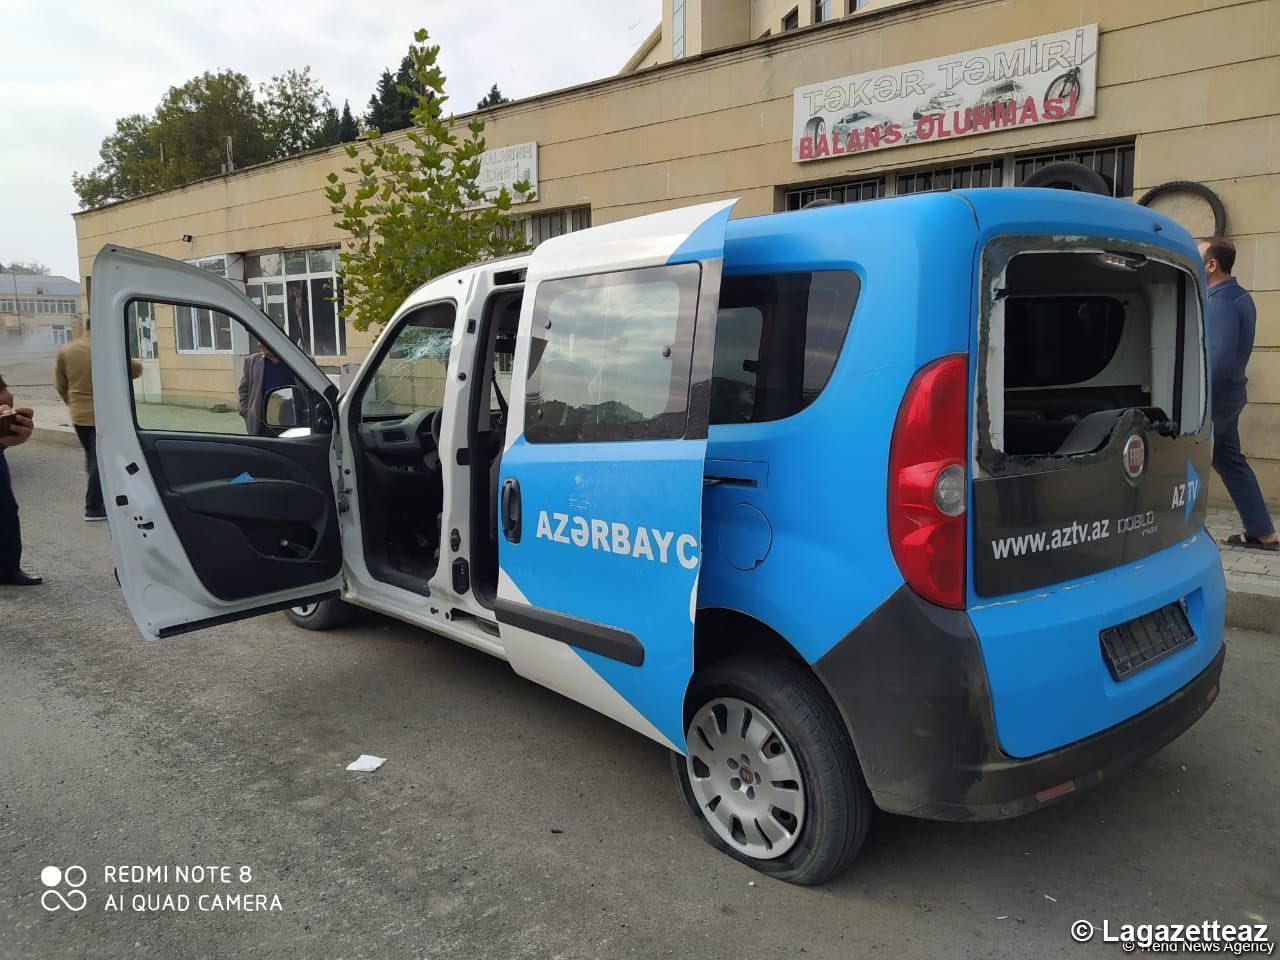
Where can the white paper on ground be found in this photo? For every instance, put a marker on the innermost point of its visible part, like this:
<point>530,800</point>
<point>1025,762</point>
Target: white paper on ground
<point>366,763</point>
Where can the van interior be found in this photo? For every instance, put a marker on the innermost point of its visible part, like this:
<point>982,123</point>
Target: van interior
<point>1077,339</point>
<point>487,429</point>
<point>399,473</point>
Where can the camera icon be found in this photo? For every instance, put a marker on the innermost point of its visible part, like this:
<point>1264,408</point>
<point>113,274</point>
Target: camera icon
<point>53,899</point>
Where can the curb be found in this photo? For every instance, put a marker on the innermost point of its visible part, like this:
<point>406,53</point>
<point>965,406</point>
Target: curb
<point>1252,605</point>
<point>56,436</point>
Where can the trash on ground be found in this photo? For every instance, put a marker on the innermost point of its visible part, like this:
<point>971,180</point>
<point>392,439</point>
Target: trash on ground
<point>366,763</point>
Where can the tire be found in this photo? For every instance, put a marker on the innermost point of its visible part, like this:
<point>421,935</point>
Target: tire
<point>1068,175</point>
<point>795,727</point>
<point>1062,88</point>
<point>815,128</point>
<point>323,615</point>
<point>1201,191</point>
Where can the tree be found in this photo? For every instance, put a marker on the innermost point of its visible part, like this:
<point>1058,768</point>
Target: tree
<point>493,98</point>
<point>347,130</point>
<point>330,130</point>
<point>131,164</point>
<point>375,117</point>
<point>186,138</point>
<point>194,120</point>
<point>412,211</point>
<point>26,267</point>
<point>296,113</point>
<point>390,107</point>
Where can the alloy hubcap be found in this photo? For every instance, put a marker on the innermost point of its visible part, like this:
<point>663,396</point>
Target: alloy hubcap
<point>745,778</point>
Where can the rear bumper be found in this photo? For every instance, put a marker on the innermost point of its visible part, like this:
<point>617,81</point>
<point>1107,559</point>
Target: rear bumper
<point>912,688</point>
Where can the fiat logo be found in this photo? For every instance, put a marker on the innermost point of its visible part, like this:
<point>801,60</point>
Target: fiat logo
<point>1135,457</point>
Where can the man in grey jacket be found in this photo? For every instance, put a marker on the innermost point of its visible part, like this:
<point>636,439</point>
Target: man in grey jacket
<point>264,373</point>
<point>1232,321</point>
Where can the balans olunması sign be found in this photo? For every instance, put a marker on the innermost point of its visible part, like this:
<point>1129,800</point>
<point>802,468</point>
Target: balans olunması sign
<point>1044,79</point>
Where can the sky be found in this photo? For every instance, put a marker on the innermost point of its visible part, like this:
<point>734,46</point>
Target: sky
<point>69,70</point>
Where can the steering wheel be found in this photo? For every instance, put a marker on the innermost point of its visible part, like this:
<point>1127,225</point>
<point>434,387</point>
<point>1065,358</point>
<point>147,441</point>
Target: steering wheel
<point>437,419</point>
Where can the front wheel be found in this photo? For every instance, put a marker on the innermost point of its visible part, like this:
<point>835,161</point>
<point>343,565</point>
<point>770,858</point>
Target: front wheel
<point>321,615</point>
<point>771,776</point>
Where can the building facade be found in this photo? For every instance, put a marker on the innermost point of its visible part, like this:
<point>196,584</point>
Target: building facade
<point>38,311</point>
<point>782,103</point>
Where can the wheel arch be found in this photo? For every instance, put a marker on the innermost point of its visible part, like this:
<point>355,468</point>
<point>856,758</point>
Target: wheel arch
<point>722,632</point>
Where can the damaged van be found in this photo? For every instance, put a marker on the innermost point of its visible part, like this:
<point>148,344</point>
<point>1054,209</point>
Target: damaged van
<point>891,505</point>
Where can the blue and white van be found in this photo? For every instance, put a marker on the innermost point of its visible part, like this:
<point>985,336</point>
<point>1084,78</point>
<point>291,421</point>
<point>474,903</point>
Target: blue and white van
<point>893,505</point>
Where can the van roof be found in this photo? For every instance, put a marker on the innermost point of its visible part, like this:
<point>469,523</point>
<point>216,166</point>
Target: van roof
<point>994,210</point>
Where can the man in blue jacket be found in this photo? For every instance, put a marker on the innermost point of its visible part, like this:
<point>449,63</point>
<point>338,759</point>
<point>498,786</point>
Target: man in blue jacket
<point>1232,319</point>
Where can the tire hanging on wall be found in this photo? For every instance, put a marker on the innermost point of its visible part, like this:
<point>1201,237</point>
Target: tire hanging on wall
<point>1068,175</point>
<point>1199,190</point>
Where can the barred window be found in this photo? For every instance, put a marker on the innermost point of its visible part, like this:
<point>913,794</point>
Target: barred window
<point>851,192</point>
<point>1114,163</point>
<point>987,174</point>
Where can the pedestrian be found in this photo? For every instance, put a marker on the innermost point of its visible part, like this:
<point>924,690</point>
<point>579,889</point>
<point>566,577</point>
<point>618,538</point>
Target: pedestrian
<point>20,424</point>
<point>1231,322</point>
<point>263,374</point>
<point>73,379</point>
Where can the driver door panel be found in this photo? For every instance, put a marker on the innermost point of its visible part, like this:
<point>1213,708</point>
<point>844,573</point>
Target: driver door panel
<point>252,511</point>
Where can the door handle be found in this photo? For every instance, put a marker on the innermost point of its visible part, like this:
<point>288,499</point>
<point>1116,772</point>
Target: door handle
<point>511,509</point>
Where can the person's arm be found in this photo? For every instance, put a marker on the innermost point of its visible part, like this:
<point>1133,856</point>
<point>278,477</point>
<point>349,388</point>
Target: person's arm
<point>243,391</point>
<point>1224,338</point>
<point>23,424</point>
<point>1247,311</point>
<point>60,377</point>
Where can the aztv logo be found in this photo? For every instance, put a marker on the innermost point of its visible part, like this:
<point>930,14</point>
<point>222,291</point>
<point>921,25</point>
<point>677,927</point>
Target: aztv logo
<point>1185,494</point>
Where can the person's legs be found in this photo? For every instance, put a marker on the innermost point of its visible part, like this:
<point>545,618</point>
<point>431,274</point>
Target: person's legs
<point>93,505</point>
<point>1237,476</point>
<point>10,532</point>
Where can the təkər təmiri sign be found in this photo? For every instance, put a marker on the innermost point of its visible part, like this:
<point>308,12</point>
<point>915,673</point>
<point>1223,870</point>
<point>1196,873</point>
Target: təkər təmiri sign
<point>1045,79</point>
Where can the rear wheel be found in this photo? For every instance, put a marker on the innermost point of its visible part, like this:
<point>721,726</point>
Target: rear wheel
<point>322,615</point>
<point>771,777</point>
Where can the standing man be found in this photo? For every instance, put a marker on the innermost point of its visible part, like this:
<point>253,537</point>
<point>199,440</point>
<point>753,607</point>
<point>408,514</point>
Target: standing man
<point>19,428</point>
<point>73,379</point>
<point>263,375</point>
<point>1232,319</point>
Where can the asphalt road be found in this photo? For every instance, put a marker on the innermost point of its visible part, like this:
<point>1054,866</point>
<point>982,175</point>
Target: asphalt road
<point>28,368</point>
<point>229,748</point>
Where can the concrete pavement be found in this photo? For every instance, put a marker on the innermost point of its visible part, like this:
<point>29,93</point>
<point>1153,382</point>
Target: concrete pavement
<point>228,748</point>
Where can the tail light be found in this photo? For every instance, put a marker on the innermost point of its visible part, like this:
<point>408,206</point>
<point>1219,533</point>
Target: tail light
<point>928,486</point>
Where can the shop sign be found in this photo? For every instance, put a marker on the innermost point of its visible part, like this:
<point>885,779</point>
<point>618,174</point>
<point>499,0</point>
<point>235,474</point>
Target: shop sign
<point>1045,79</point>
<point>507,166</point>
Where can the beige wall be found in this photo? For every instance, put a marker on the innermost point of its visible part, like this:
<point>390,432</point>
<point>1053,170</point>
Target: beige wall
<point>1195,81</point>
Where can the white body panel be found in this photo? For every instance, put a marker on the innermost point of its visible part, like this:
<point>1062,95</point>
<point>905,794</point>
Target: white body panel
<point>158,581</point>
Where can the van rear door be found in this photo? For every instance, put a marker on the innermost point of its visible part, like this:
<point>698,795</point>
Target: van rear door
<point>600,492</point>
<point>1091,443</point>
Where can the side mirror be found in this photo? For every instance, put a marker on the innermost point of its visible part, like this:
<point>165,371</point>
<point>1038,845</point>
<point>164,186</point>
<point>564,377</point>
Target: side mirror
<point>286,408</point>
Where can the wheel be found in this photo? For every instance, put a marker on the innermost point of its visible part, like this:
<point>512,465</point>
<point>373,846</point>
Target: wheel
<point>1069,175</point>
<point>771,777</point>
<point>1204,197</point>
<point>815,128</point>
<point>322,615</point>
<point>1063,88</point>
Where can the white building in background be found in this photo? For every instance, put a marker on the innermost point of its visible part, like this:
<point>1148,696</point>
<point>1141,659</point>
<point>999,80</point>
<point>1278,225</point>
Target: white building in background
<point>37,310</point>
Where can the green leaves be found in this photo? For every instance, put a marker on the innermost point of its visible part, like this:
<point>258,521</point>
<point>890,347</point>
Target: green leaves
<point>185,139</point>
<point>409,206</point>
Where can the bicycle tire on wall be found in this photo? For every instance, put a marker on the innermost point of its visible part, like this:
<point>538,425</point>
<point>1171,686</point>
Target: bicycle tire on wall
<point>1201,191</point>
